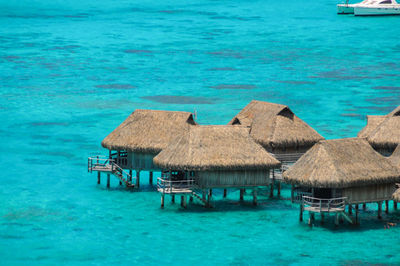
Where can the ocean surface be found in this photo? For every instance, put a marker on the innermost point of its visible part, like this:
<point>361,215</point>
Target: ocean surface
<point>72,71</point>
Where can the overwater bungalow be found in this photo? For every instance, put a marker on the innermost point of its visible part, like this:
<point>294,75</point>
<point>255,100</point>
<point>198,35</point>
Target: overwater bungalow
<point>208,157</point>
<point>134,143</point>
<point>383,131</point>
<point>395,159</point>
<point>278,130</point>
<point>334,174</point>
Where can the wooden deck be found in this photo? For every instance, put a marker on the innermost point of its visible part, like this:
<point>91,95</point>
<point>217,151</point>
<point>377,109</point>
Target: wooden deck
<point>318,205</point>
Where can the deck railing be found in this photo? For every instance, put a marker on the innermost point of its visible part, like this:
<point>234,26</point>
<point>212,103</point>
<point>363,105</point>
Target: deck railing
<point>99,161</point>
<point>171,186</point>
<point>324,205</point>
<point>298,195</point>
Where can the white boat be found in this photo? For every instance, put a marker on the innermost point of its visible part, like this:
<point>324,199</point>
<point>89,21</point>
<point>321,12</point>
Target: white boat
<point>349,8</point>
<point>377,8</point>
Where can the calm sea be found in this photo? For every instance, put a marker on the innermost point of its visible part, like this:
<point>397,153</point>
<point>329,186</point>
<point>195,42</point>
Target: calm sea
<point>71,71</point>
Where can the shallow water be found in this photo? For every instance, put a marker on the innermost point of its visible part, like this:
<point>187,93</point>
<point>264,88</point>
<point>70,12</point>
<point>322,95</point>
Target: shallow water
<point>71,72</point>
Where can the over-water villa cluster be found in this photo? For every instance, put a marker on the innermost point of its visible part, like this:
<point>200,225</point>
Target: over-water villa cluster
<point>264,145</point>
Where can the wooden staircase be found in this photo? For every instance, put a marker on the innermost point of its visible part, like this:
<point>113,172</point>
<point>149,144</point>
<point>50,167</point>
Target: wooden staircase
<point>105,165</point>
<point>197,196</point>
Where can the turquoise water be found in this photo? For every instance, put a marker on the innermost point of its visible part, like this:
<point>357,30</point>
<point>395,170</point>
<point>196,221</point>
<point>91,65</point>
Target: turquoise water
<point>71,72</point>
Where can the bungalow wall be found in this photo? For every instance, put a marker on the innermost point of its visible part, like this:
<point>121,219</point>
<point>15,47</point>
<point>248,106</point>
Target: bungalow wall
<point>142,161</point>
<point>250,178</point>
<point>373,193</point>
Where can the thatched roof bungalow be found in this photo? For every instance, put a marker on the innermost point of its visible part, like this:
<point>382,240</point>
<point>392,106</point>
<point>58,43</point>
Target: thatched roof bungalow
<point>395,159</point>
<point>344,168</point>
<point>277,129</point>
<point>383,131</point>
<point>144,134</point>
<point>217,157</point>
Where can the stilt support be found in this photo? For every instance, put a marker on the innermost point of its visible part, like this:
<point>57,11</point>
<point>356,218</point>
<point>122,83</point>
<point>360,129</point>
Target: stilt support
<point>137,179</point>
<point>241,194</point>
<point>292,194</point>
<point>279,189</point>
<point>108,180</point>
<point>98,178</point>
<point>190,199</point>
<point>183,201</point>
<point>151,178</point>
<point>386,206</point>
<point>130,175</point>
<point>255,197</point>
<point>337,219</point>
<point>322,218</point>
<point>350,209</point>
<point>380,210</point>
<point>162,200</point>
<point>364,206</point>
<point>395,205</point>
<point>271,193</point>
<point>301,212</point>
<point>173,198</point>
<point>357,214</point>
<point>224,192</point>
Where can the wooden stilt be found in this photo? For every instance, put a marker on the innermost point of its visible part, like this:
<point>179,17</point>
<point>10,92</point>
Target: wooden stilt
<point>210,192</point>
<point>120,183</point>
<point>337,219</point>
<point>255,197</point>
<point>271,193</point>
<point>108,180</point>
<point>279,189</point>
<point>364,206</point>
<point>209,198</point>
<point>224,192</point>
<point>301,212</point>
<point>137,178</point>
<point>130,175</point>
<point>380,210</point>
<point>356,213</point>
<point>162,200</point>
<point>311,219</point>
<point>322,218</point>
<point>350,209</point>
<point>292,194</point>
<point>386,206</point>
<point>173,198</point>
<point>182,200</point>
<point>204,195</point>
<point>98,178</point>
<point>241,194</point>
<point>341,219</point>
<point>151,178</point>
<point>394,205</point>
<point>190,199</point>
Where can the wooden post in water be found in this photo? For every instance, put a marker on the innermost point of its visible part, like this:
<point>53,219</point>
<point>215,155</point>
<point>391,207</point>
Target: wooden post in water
<point>386,206</point>
<point>356,213</point>
<point>209,197</point>
<point>395,205</point>
<point>322,218</point>
<point>130,175</point>
<point>137,178</point>
<point>151,178</point>
<point>173,198</point>
<point>241,194</point>
<point>191,199</point>
<point>224,192</point>
<point>337,219</point>
<point>271,193</point>
<point>379,210</point>
<point>301,212</point>
<point>210,194</point>
<point>98,178</point>
<point>182,200</point>
<point>108,180</point>
<point>162,200</point>
<point>364,206</point>
<point>255,196</point>
<point>203,192</point>
<point>350,209</point>
<point>292,194</point>
<point>279,189</point>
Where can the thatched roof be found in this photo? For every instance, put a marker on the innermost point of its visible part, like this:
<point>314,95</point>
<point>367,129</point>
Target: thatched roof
<point>342,163</point>
<point>275,126</point>
<point>148,131</point>
<point>205,148</point>
<point>395,157</point>
<point>373,121</point>
<point>383,131</point>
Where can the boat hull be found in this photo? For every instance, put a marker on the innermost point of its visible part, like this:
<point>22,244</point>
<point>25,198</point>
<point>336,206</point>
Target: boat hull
<point>376,11</point>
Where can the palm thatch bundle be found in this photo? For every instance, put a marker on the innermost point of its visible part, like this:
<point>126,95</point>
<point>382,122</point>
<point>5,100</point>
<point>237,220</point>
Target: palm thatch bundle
<point>275,126</point>
<point>342,163</point>
<point>395,157</point>
<point>383,131</point>
<point>396,195</point>
<point>205,148</point>
<point>148,131</point>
